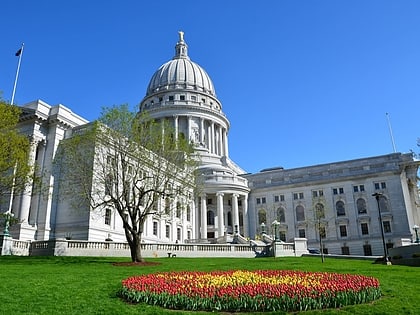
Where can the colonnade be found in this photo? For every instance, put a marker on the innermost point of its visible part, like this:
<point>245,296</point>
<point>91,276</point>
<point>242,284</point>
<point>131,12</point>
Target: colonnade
<point>220,209</point>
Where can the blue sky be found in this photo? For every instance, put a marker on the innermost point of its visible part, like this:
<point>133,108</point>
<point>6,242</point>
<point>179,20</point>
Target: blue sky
<point>302,82</point>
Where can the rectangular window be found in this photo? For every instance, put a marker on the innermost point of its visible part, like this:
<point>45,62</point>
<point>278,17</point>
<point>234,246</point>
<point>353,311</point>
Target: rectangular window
<point>387,226</point>
<point>355,188</point>
<point>171,97</point>
<point>263,201</point>
<point>283,236</point>
<point>343,231</point>
<point>168,231</point>
<point>182,97</point>
<point>383,185</point>
<point>317,193</point>
<point>258,201</point>
<point>108,216</point>
<point>297,196</point>
<point>281,197</point>
<point>193,98</point>
<point>302,233</point>
<point>338,191</point>
<point>276,199</point>
<point>209,201</point>
<point>335,191</point>
<point>380,185</point>
<point>367,250</point>
<point>345,250</point>
<point>155,228</point>
<point>365,229</point>
<point>178,234</point>
<point>362,188</point>
<point>341,190</point>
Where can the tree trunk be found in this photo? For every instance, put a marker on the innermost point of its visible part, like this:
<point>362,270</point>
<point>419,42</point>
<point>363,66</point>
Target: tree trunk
<point>135,248</point>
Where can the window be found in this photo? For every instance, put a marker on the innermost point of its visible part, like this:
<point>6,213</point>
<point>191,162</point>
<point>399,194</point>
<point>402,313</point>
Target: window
<point>193,97</point>
<point>160,99</point>
<point>178,209</point>
<point>261,200</point>
<point>189,235</point>
<point>338,191</point>
<point>339,206</point>
<point>276,199</point>
<point>358,188</point>
<point>367,250</point>
<point>171,97</point>
<point>155,228</point>
<point>300,213</point>
<point>209,201</point>
<point>343,231</point>
<point>168,231</point>
<point>108,216</point>
<point>210,217</point>
<point>379,185</point>
<point>167,206</point>
<point>317,193</point>
<point>262,216</point>
<point>361,206</point>
<point>387,226</point>
<point>229,218</point>
<point>203,100</point>
<point>188,213</point>
<point>182,97</point>
<point>258,201</point>
<point>345,250</point>
<point>365,229</point>
<point>281,215</point>
<point>302,233</point>
<point>178,234</point>
<point>297,196</point>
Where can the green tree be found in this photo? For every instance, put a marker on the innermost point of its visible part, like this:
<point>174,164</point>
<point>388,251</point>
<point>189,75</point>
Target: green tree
<point>128,163</point>
<point>15,171</point>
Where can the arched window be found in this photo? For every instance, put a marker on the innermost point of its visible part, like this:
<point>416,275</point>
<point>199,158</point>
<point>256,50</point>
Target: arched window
<point>210,217</point>
<point>262,216</point>
<point>361,206</point>
<point>281,215</point>
<point>383,203</point>
<point>339,206</point>
<point>319,211</point>
<point>300,213</point>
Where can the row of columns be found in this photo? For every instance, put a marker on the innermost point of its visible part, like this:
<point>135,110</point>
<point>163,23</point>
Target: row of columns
<point>216,140</point>
<point>220,214</point>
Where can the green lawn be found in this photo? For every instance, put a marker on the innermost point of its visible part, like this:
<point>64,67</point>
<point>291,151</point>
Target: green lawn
<point>85,285</point>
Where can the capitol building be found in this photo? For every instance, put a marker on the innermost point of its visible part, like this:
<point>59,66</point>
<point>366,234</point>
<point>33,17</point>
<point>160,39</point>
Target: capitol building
<point>332,203</point>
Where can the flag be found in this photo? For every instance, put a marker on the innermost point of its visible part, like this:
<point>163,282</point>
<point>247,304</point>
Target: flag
<point>18,52</point>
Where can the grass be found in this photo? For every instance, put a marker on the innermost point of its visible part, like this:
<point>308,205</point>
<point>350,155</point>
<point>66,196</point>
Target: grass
<point>86,285</point>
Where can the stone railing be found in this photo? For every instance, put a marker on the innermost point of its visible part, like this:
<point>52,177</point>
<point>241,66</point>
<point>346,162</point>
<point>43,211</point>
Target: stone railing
<point>62,247</point>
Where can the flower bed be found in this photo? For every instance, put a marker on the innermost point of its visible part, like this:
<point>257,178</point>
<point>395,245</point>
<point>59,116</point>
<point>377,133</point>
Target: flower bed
<point>240,290</point>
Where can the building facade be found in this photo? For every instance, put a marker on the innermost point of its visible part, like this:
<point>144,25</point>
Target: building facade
<point>330,204</point>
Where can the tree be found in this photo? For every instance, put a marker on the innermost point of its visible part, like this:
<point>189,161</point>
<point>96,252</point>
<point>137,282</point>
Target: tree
<point>128,163</point>
<point>16,172</point>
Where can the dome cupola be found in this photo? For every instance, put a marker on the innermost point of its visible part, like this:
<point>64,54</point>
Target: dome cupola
<point>180,73</point>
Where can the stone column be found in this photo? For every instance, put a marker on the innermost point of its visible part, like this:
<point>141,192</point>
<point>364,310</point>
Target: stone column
<point>235,212</point>
<point>203,216</point>
<point>176,128</point>
<point>220,215</point>
<point>212,138</point>
<point>202,131</point>
<point>245,215</point>
<point>225,143</point>
<point>27,193</point>
<point>220,141</point>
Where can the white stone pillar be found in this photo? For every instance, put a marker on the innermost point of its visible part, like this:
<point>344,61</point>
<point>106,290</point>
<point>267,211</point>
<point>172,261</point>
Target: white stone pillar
<point>202,131</point>
<point>220,132</point>
<point>212,139</point>
<point>235,212</point>
<point>225,143</point>
<point>245,215</point>
<point>27,193</point>
<point>203,216</point>
<point>176,129</point>
<point>220,215</point>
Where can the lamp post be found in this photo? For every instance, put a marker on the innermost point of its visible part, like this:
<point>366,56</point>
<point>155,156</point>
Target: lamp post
<point>416,229</point>
<point>377,196</point>
<point>7,217</point>
<point>275,224</point>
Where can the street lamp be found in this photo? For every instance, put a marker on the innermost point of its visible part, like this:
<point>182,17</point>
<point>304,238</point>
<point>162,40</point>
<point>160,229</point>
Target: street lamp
<point>377,196</point>
<point>7,218</point>
<point>416,229</point>
<point>275,224</point>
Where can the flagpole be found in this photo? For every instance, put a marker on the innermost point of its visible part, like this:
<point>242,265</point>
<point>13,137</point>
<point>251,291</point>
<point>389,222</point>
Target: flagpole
<point>390,132</point>
<point>19,53</point>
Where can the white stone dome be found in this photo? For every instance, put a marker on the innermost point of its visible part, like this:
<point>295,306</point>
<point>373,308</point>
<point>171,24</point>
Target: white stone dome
<point>180,73</point>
